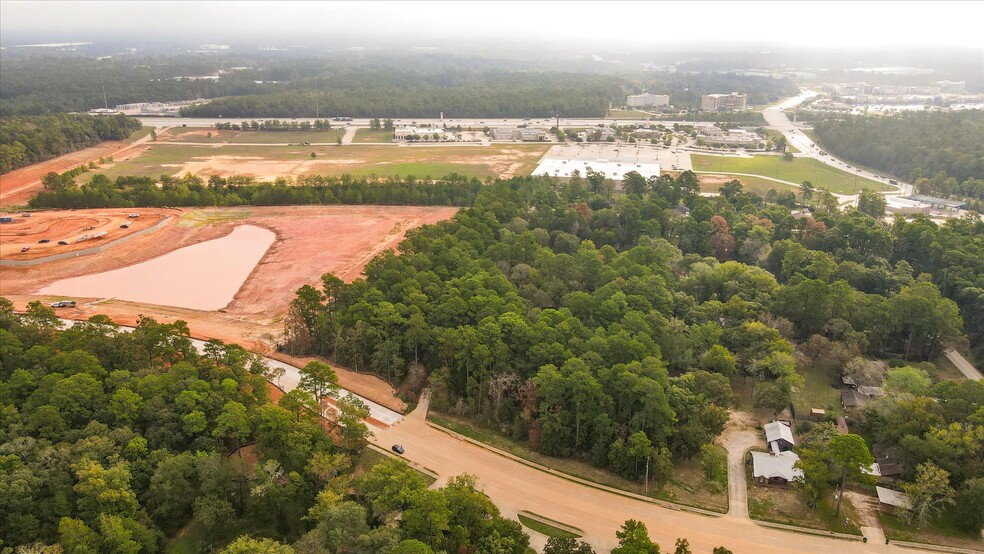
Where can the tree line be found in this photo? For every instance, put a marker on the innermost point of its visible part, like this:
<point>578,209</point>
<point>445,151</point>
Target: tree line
<point>26,140</point>
<point>608,330</point>
<point>191,190</point>
<point>942,153</point>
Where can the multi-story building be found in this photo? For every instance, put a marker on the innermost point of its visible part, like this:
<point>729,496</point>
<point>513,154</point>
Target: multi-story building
<point>646,100</point>
<point>723,102</point>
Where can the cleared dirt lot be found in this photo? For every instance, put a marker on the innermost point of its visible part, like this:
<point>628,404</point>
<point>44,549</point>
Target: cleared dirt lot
<point>266,163</point>
<point>311,241</point>
<point>70,226</point>
<point>17,187</point>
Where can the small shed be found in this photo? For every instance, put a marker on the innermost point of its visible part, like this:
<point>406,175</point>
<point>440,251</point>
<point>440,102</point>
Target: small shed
<point>889,468</point>
<point>775,469</point>
<point>850,399</point>
<point>779,436</point>
<point>818,414</point>
<point>889,501</point>
<point>849,382</point>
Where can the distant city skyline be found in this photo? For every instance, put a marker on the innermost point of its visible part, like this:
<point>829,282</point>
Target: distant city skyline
<point>578,25</point>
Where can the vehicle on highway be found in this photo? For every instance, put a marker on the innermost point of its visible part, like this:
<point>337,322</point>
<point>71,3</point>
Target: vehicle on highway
<point>125,226</point>
<point>398,448</point>
<point>44,241</point>
<point>63,304</point>
<point>893,182</point>
<point>823,152</point>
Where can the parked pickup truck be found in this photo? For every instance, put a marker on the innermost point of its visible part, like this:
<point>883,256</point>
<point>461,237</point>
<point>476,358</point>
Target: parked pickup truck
<point>63,304</point>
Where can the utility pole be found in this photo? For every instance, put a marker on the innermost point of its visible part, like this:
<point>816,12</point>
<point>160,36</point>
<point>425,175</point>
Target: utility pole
<point>647,476</point>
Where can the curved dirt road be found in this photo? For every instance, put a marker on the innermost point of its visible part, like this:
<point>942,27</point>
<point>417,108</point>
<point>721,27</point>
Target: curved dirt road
<point>514,486</point>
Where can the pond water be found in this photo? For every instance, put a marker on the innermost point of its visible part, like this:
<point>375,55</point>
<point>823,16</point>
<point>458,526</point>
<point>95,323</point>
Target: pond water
<point>203,276</point>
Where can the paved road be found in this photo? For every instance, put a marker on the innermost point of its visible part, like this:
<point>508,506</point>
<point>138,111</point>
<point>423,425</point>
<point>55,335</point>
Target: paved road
<point>963,365</point>
<point>514,486</point>
<point>776,118</point>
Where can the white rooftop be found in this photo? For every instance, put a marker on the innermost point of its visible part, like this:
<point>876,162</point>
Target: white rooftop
<point>613,169</point>
<point>778,430</point>
<point>892,497</point>
<point>776,465</point>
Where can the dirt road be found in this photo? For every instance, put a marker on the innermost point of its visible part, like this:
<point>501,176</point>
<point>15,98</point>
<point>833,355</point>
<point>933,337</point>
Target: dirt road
<point>963,365</point>
<point>18,186</point>
<point>514,487</point>
<point>740,434</point>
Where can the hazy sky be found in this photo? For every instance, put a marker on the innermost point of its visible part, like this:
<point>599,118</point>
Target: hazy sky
<point>629,24</point>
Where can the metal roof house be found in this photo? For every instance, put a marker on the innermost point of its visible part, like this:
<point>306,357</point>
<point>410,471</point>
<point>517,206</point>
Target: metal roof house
<point>891,500</point>
<point>775,469</point>
<point>779,436</point>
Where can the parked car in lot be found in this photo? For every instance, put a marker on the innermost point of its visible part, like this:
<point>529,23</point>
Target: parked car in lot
<point>63,242</point>
<point>63,304</point>
<point>125,226</point>
<point>398,448</point>
<point>44,241</point>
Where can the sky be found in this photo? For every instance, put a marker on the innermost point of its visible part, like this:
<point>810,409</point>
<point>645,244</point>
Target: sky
<point>632,25</point>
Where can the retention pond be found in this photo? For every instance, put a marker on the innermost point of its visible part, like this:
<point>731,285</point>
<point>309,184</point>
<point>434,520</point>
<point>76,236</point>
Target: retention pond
<point>204,276</point>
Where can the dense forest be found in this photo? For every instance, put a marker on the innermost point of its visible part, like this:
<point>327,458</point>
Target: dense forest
<point>941,153</point>
<point>25,140</point>
<point>190,190</point>
<point>608,329</point>
<point>112,441</point>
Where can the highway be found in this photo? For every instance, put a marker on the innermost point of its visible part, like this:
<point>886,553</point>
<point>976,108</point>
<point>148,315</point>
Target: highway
<point>776,118</point>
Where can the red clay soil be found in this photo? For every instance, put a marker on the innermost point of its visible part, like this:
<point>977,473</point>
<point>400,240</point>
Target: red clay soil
<point>56,225</point>
<point>18,186</point>
<point>312,240</point>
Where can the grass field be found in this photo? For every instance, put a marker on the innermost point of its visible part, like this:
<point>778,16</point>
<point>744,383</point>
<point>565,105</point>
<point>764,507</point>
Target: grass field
<point>269,162</point>
<point>758,185</point>
<point>628,114</point>
<point>139,134</point>
<point>687,486</point>
<point>941,532</point>
<point>540,525</point>
<point>373,135</point>
<point>200,135</point>
<point>797,171</point>
<point>819,391</point>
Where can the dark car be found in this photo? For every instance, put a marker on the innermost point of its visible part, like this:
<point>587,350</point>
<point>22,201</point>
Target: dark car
<point>44,241</point>
<point>398,448</point>
<point>63,242</point>
<point>125,226</point>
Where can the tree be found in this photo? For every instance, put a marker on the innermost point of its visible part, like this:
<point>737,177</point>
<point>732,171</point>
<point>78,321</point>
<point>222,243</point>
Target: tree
<point>411,546</point>
<point>247,545</point>
<point>909,380</point>
<point>567,545</point>
<point>928,494</point>
<point>721,550</point>
<point>969,505</point>
<point>319,379</point>
<point>768,394</point>
<point>427,517</point>
<point>633,538</point>
<point>848,457</point>
<point>682,547</point>
<point>871,203</point>
<point>388,486</point>
<point>233,423</point>
<point>719,360</point>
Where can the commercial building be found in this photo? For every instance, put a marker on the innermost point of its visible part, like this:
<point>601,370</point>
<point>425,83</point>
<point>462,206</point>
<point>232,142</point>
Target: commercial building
<point>419,133</point>
<point>524,134</point>
<point>646,100</point>
<point>723,102</point>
